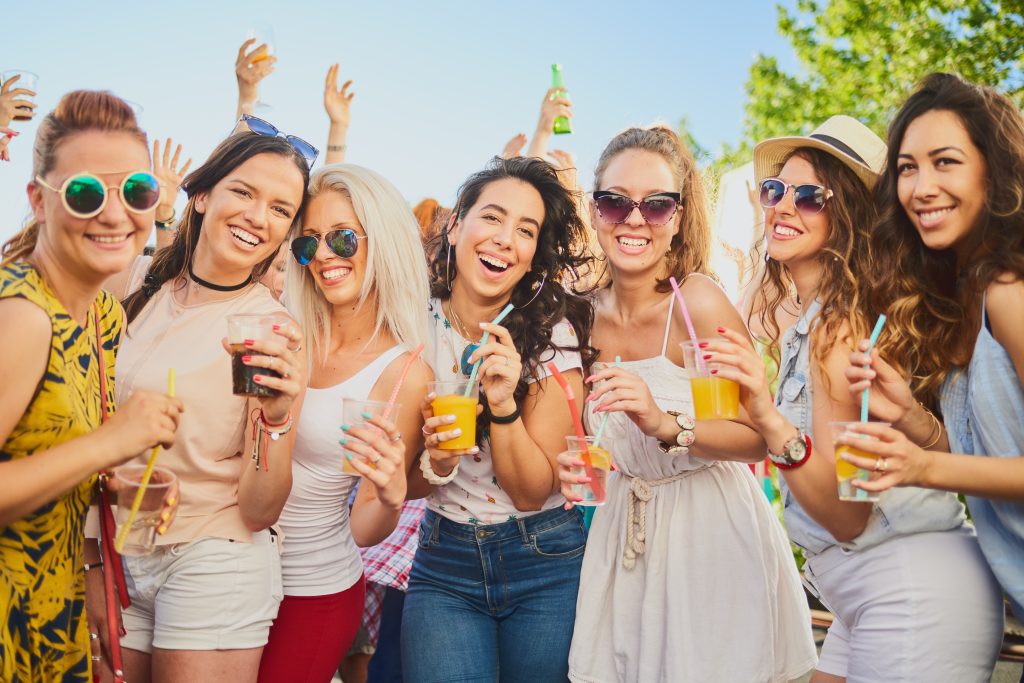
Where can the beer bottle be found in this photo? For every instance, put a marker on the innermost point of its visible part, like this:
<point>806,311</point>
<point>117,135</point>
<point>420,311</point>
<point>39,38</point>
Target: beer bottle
<point>562,123</point>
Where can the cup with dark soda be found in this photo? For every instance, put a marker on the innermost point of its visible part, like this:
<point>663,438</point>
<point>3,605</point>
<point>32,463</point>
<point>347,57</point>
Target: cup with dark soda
<point>257,327</point>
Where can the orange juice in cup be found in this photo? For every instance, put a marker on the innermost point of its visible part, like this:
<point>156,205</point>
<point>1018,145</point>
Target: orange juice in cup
<point>452,399</point>
<point>714,398</point>
<point>846,473</point>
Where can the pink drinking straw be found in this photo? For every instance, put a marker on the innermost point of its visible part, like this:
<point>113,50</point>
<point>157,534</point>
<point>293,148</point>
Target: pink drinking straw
<point>401,378</point>
<point>577,423</point>
<point>689,325</point>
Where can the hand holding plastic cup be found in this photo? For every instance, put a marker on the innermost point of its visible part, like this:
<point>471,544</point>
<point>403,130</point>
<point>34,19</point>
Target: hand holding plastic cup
<point>141,536</point>
<point>846,473</point>
<point>592,492</point>
<point>458,398</point>
<point>27,81</point>
<point>243,327</point>
<point>714,398</point>
<point>356,413</point>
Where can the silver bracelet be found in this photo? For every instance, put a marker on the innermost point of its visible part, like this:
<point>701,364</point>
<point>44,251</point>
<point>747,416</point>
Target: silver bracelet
<point>336,148</point>
<point>428,471</point>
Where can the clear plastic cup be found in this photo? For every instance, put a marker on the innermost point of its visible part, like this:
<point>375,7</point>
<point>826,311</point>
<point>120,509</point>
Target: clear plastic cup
<point>245,326</point>
<point>594,491</point>
<point>354,413</point>
<point>452,400</point>
<point>141,537</point>
<point>714,398</point>
<point>846,473</point>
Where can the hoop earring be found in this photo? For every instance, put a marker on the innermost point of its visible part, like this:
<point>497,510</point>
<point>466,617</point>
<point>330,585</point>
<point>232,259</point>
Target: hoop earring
<point>536,287</point>
<point>447,265</point>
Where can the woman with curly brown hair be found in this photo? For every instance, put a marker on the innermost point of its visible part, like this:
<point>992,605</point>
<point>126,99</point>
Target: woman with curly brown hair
<point>949,254</point>
<point>890,571</point>
<point>493,583</point>
<point>686,548</point>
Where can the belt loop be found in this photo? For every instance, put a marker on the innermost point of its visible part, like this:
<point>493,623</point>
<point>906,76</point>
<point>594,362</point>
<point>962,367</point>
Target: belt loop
<point>521,523</point>
<point>435,528</point>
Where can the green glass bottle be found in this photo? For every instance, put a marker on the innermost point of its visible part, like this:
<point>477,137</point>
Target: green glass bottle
<point>563,124</point>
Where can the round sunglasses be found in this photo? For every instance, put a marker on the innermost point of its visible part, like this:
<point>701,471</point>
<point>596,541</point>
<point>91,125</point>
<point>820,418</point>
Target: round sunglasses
<point>809,199</point>
<point>344,243</point>
<point>656,209</point>
<point>84,195</point>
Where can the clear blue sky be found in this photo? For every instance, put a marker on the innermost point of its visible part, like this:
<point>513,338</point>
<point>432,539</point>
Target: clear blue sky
<point>439,86</point>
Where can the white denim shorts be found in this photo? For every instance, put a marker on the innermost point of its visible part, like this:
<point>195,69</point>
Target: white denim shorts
<point>921,607</point>
<point>210,594</point>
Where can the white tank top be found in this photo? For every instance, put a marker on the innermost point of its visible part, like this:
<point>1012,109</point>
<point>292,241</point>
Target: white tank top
<point>319,556</point>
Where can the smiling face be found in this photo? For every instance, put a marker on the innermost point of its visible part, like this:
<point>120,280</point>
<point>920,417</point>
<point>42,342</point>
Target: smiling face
<point>247,214</point>
<point>495,242</point>
<point>794,236</point>
<point>339,279</point>
<point>635,245</point>
<point>941,179</point>
<point>97,247</point>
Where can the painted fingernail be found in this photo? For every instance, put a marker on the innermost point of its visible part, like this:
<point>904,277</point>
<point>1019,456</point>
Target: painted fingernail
<point>365,415</point>
<point>474,450</point>
<point>580,463</point>
<point>721,330</point>
<point>456,432</point>
<point>345,428</point>
<point>483,324</point>
<point>162,529</point>
<point>714,372</point>
<point>123,631</point>
<point>172,501</point>
<point>348,456</point>
<point>246,359</point>
<point>248,342</point>
<point>448,419</point>
<point>342,442</point>
<point>707,356</point>
<point>703,345</point>
<point>258,379</point>
<point>591,396</point>
<point>165,515</point>
<point>276,328</point>
<point>589,379</point>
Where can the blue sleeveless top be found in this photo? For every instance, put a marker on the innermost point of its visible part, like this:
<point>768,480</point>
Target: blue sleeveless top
<point>983,408</point>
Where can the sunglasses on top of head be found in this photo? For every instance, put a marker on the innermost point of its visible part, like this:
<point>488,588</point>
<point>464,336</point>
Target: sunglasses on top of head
<point>344,243</point>
<point>261,127</point>
<point>656,209</point>
<point>85,195</point>
<point>809,199</point>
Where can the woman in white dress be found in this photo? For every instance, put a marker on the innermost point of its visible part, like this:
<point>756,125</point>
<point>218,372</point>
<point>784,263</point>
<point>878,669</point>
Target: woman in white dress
<point>687,575</point>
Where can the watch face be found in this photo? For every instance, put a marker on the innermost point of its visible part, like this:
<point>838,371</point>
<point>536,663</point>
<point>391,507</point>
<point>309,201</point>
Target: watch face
<point>796,449</point>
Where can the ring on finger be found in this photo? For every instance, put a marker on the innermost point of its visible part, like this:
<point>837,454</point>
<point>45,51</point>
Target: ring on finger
<point>426,434</point>
<point>95,658</point>
<point>396,437</point>
<point>93,636</point>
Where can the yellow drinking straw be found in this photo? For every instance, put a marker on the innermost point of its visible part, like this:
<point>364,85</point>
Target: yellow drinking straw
<point>122,533</point>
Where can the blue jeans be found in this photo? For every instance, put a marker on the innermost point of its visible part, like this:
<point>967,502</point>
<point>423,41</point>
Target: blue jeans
<point>493,602</point>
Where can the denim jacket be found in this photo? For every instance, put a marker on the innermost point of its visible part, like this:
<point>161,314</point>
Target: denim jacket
<point>984,413</point>
<point>899,511</point>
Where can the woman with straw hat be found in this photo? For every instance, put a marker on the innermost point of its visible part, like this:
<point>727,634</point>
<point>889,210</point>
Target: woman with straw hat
<point>686,547</point>
<point>356,283</point>
<point>891,571</point>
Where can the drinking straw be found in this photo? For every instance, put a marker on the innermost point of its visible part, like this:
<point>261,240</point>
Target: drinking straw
<point>483,340</point>
<point>577,424</point>
<point>871,345</point>
<point>401,378</point>
<point>689,325</point>
<point>604,418</point>
<point>122,534</point>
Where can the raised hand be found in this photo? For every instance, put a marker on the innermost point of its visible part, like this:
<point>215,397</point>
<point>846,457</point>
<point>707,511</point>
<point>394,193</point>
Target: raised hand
<point>165,168</point>
<point>500,370</point>
<point>251,67</point>
<point>5,138</point>
<point>337,101</point>
<point>514,147</point>
<point>11,99</point>
<point>565,166</point>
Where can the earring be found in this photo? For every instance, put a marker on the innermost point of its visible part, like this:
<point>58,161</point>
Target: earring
<point>447,265</point>
<point>536,288</point>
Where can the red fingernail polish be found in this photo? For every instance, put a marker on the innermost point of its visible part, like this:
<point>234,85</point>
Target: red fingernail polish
<point>721,330</point>
<point>276,328</point>
<point>714,372</point>
<point>124,632</point>
<point>246,359</point>
<point>703,345</point>
<point>257,378</point>
<point>707,356</point>
<point>248,342</point>
<point>590,397</point>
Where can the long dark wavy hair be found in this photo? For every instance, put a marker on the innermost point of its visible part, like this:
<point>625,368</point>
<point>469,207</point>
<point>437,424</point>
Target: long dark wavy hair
<point>934,305</point>
<point>561,251</point>
<point>172,262</point>
<point>843,259</point>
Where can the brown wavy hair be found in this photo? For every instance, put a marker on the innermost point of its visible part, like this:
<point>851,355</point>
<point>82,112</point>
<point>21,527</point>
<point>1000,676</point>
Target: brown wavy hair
<point>690,249</point>
<point>933,305</point>
<point>844,262</point>
<point>561,250</point>
<point>172,262</point>
<point>77,112</point>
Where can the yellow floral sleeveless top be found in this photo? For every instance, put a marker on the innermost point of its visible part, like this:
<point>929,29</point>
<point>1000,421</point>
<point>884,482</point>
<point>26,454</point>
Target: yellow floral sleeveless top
<point>43,632</point>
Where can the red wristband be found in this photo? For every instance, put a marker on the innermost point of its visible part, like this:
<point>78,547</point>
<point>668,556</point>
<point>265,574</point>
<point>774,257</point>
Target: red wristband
<point>807,440</point>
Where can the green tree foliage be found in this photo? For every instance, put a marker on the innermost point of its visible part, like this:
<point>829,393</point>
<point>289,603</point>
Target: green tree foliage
<point>864,57</point>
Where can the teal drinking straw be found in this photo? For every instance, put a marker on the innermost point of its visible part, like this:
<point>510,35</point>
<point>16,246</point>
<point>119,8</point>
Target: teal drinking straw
<point>604,418</point>
<point>483,340</point>
<point>871,345</point>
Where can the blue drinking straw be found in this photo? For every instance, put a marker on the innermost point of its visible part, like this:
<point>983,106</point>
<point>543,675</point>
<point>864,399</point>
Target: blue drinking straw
<point>483,340</point>
<point>604,418</point>
<point>871,345</point>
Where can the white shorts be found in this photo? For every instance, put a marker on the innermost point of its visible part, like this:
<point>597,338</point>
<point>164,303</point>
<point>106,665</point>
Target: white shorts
<point>211,594</point>
<point>922,607</point>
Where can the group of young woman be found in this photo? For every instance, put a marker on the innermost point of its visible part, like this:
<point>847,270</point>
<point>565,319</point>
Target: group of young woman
<point>686,574</point>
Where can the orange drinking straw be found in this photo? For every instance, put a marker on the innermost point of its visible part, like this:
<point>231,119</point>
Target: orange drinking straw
<point>401,378</point>
<point>577,423</point>
<point>122,534</point>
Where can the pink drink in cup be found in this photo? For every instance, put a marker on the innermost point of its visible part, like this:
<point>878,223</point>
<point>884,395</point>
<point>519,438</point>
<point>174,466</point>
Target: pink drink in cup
<point>593,492</point>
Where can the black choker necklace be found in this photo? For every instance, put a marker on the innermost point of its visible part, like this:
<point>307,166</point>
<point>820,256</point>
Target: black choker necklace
<point>217,288</point>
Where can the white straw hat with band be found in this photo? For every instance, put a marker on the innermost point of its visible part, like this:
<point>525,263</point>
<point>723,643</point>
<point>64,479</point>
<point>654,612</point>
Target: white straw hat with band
<point>844,137</point>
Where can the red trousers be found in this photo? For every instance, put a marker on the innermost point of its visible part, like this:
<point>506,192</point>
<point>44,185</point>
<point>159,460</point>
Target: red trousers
<point>311,635</point>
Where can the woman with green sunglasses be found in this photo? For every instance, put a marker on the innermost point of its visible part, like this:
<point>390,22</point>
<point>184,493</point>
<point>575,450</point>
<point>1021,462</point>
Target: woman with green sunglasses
<point>58,371</point>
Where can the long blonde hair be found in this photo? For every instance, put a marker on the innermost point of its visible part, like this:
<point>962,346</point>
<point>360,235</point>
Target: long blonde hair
<point>396,267</point>
<point>77,112</point>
